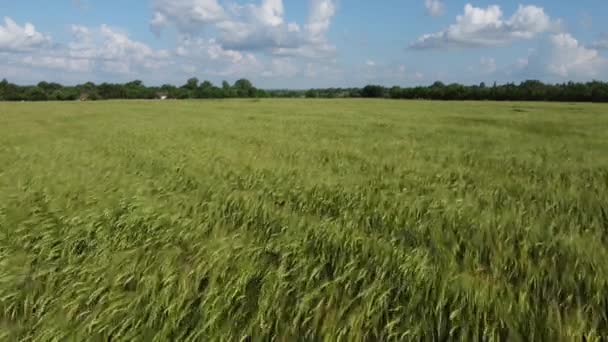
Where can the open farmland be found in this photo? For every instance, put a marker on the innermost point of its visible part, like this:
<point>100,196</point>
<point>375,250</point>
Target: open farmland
<point>303,219</point>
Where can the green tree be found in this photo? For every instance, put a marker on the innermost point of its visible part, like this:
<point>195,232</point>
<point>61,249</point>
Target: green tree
<point>191,84</point>
<point>204,91</point>
<point>244,88</point>
<point>372,91</point>
<point>3,87</point>
<point>312,93</point>
<point>395,92</point>
<point>35,94</point>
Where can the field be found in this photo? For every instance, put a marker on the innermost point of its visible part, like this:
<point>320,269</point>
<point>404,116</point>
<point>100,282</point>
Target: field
<point>352,220</point>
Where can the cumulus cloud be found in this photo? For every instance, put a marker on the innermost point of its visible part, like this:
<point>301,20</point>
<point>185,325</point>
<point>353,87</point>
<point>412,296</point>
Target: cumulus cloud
<point>113,50</point>
<point>58,62</point>
<point>281,67</point>
<point>103,49</point>
<point>200,48</point>
<point>569,59</point>
<point>249,27</point>
<point>434,7</point>
<point>561,58</point>
<point>187,15</point>
<point>487,27</point>
<point>319,20</point>
<point>14,37</point>
<point>215,59</point>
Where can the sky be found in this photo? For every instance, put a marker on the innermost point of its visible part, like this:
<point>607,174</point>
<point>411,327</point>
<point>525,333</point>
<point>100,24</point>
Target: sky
<point>303,43</point>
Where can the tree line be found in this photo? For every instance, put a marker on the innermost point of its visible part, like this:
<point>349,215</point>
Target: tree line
<point>192,89</point>
<point>531,90</point>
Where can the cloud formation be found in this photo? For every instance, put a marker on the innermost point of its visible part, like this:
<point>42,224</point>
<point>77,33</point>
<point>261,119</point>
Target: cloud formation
<point>104,49</point>
<point>561,58</point>
<point>249,27</point>
<point>479,27</point>
<point>113,50</point>
<point>258,40</point>
<point>569,59</point>
<point>14,37</point>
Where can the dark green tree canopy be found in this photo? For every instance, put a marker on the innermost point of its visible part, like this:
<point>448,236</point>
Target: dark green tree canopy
<point>530,90</point>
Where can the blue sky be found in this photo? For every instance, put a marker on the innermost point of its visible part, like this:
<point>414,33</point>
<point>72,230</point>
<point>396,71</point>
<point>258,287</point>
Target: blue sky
<point>304,43</point>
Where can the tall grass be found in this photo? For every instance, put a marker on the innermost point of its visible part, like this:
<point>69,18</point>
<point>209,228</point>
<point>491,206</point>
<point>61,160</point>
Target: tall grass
<point>286,220</point>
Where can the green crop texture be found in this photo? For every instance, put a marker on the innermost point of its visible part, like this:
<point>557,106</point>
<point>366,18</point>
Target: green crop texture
<point>311,220</point>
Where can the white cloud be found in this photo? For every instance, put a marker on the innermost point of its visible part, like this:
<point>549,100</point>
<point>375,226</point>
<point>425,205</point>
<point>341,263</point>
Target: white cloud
<point>569,59</point>
<point>319,21</point>
<point>213,59</point>
<point>249,27</point>
<point>270,12</point>
<point>281,67</point>
<point>200,48</point>
<point>370,63</point>
<point>20,38</point>
<point>102,49</point>
<point>486,27</point>
<point>434,7</point>
<point>113,50</point>
<point>58,62</point>
<point>215,51</point>
<point>561,58</point>
<point>187,15</point>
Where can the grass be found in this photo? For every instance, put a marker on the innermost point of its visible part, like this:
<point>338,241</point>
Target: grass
<point>352,220</point>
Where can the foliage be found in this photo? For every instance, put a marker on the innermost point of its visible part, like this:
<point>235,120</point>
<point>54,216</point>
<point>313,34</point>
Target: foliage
<point>373,91</point>
<point>526,91</point>
<point>358,220</point>
<point>132,90</point>
<point>531,90</point>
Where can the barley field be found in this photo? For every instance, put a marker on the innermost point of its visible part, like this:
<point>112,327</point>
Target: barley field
<point>311,220</point>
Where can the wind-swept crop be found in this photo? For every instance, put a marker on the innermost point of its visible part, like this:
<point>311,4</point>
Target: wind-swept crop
<point>352,220</point>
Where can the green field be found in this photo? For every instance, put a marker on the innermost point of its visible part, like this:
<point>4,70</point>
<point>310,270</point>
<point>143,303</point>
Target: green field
<point>352,220</point>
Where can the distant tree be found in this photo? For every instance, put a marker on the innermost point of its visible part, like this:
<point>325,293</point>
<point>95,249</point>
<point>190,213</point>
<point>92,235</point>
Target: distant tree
<point>244,88</point>
<point>395,92</point>
<point>204,91</point>
<point>88,91</point>
<point>372,91</point>
<point>596,91</point>
<point>3,87</point>
<point>35,94</point>
<point>260,93</point>
<point>312,93</point>
<point>182,93</point>
<point>113,91</point>
<point>191,84</point>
